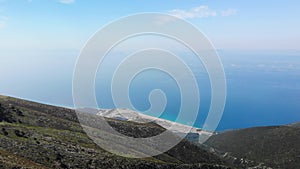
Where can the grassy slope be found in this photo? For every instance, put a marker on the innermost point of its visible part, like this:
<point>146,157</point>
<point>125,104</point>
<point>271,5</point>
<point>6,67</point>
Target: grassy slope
<point>277,146</point>
<point>34,135</point>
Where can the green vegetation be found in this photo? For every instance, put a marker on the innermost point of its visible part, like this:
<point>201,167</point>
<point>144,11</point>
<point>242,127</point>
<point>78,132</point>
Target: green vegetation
<point>34,135</point>
<point>276,146</point>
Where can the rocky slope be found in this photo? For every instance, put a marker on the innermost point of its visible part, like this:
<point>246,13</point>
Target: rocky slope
<point>177,128</point>
<point>34,135</point>
<point>275,146</point>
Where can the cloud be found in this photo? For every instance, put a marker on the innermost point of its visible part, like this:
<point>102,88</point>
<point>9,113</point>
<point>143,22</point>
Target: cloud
<point>161,20</point>
<point>202,11</point>
<point>67,1</point>
<point>228,12</point>
<point>197,12</point>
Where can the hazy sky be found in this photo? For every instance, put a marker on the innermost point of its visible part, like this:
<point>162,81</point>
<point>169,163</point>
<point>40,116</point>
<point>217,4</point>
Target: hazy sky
<point>230,24</point>
<point>41,39</point>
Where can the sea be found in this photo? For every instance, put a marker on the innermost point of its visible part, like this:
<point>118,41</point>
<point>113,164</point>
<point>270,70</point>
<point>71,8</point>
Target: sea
<point>263,86</point>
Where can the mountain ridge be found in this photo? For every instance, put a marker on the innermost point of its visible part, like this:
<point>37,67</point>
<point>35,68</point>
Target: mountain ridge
<point>274,146</point>
<point>36,135</point>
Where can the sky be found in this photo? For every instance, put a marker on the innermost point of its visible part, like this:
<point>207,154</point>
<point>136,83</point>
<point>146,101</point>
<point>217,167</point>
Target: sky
<point>231,24</point>
<point>40,41</point>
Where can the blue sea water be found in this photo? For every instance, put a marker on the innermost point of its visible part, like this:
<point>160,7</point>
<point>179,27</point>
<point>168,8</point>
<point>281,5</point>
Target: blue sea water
<point>263,87</point>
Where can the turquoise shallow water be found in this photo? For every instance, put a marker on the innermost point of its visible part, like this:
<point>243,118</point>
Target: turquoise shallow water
<point>263,88</point>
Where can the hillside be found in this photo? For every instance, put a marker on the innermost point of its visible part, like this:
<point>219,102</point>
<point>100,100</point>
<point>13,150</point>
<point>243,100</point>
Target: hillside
<point>275,146</point>
<point>35,135</point>
<point>177,128</point>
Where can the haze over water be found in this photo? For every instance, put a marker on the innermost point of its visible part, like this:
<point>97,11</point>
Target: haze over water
<point>263,87</point>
